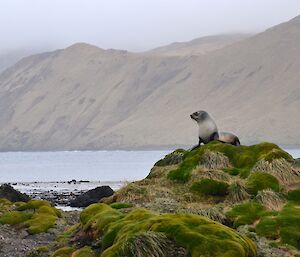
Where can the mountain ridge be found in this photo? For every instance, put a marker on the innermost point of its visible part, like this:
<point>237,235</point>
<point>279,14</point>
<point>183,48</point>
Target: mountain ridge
<point>85,98</point>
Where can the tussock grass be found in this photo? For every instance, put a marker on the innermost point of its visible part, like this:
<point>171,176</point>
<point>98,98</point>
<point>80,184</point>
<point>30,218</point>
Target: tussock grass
<point>242,159</point>
<point>214,161</point>
<point>151,244</point>
<point>237,192</point>
<point>279,168</point>
<point>211,174</point>
<point>271,200</point>
<point>214,213</point>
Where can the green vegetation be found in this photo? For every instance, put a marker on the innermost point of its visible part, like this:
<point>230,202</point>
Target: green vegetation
<point>14,217</point>
<point>271,200</point>
<point>241,158</point>
<point>173,158</point>
<point>285,225</point>
<point>246,213</point>
<point>63,252</point>
<point>121,205</point>
<point>256,188</point>
<point>237,192</point>
<point>196,234</point>
<point>84,252</point>
<point>36,215</point>
<point>258,181</point>
<point>210,187</point>
<point>294,196</point>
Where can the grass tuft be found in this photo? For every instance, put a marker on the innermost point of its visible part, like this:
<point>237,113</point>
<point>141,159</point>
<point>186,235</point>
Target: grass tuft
<point>270,199</point>
<point>210,187</point>
<point>258,181</point>
<point>238,192</point>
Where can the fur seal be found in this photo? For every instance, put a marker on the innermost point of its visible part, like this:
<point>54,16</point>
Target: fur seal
<point>208,130</point>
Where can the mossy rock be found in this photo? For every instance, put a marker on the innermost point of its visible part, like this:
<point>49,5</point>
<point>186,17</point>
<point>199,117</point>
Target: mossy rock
<point>40,222</point>
<point>33,205</point>
<point>285,225</point>
<point>199,235</point>
<point>63,252</point>
<point>36,215</point>
<point>210,187</point>
<point>5,205</point>
<point>247,213</point>
<point>258,181</point>
<point>242,158</point>
<point>84,252</point>
<point>97,216</point>
<point>14,217</point>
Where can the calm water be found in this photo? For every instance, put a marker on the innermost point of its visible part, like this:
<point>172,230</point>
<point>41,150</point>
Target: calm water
<point>100,166</point>
<point>87,165</point>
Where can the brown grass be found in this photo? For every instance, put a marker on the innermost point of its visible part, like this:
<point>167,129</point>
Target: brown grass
<point>279,168</point>
<point>270,199</point>
<point>214,161</point>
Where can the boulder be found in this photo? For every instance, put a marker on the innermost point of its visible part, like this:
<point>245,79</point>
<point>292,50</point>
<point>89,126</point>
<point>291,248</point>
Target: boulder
<point>92,196</point>
<point>11,194</point>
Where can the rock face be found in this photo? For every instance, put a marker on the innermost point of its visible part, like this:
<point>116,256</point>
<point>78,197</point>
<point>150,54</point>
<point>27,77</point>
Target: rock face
<point>8,192</point>
<point>92,196</point>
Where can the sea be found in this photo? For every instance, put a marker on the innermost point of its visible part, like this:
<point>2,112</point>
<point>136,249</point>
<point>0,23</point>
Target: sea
<point>69,171</point>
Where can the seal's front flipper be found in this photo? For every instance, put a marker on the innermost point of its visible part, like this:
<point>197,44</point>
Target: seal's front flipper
<point>196,146</point>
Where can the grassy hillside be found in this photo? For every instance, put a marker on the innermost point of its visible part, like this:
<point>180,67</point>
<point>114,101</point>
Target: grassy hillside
<point>217,200</point>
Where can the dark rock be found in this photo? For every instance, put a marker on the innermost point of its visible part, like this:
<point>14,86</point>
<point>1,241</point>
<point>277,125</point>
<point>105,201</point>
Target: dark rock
<point>91,196</point>
<point>13,195</point>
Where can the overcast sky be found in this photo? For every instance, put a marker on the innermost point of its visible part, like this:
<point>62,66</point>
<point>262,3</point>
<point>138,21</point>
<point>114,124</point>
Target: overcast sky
<point>134,25</point>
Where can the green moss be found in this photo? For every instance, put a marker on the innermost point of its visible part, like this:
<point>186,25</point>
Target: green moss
<point>43,249</point>
<point>36,215</point>
<point>199,235</point>
<point>33,205</point>
<point>285,225</point>
<point>258,181</point>
<point>97,216</point>
<point>247,213</point>
<point>294,196</point>
<point>277,154</point>
<point>210,187</point>
<point>242,158</point>
<point>4,201</point>
<point>14,217</point>
<point>5,205</point>
<point>84,252</point>
<point>121,205</point>
<point>63,252</point>
<point>40,222</point>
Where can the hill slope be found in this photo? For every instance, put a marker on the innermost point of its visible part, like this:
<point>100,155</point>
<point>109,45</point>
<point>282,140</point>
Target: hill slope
<point>198,46</point>
<point>84,97</point>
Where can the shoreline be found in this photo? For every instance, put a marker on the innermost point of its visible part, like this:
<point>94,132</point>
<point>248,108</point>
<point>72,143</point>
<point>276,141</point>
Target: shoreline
<point>61,193</point>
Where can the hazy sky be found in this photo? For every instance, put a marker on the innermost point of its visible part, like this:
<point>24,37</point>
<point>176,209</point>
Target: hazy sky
<point>133,24</point>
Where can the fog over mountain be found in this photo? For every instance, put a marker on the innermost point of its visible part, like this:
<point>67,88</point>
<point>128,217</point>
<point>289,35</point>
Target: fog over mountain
<point>84,97</point>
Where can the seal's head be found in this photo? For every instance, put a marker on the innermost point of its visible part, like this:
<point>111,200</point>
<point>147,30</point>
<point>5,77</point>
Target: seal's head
<point>199,116</point>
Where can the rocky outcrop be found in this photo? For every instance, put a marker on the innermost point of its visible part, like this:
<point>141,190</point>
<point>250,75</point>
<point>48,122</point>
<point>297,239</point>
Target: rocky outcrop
<point>13,195</point>
<point>92,196</point>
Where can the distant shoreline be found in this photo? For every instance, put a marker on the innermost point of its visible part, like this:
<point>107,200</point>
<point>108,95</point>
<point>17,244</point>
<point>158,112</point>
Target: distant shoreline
<point>141,148</point>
